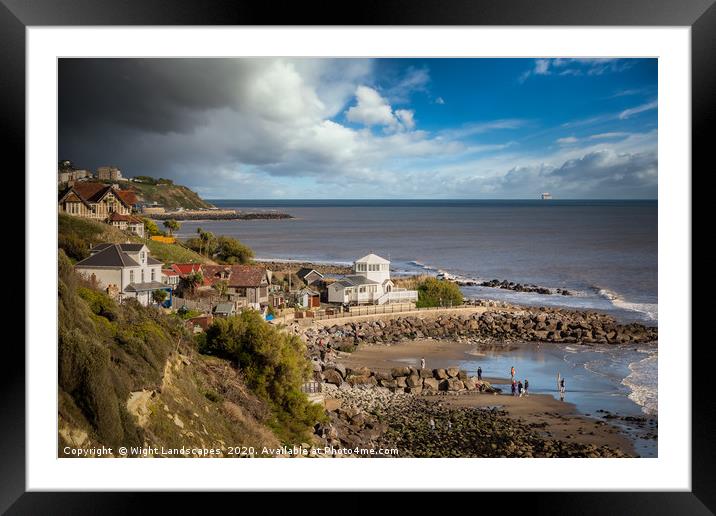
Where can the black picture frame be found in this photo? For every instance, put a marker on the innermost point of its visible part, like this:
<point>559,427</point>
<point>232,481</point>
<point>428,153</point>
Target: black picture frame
<point>16,15</point>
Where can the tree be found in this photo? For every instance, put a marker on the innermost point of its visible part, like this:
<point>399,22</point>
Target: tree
<point>172,225</point>
<point>274,365</point>
<point>435,292</point>
<point>190,281</point>
<point>150,228</point>
<point>159,296</point>
<point>199,231</point>
<point>230,250</point>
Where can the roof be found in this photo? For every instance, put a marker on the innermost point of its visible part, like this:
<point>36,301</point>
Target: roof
<point>246,276</point>
<point>118,217</point>
<point>170,272</point>
<point>111,255</point>
<point>186,268</point>
<point>89,191</point>
<point>305,271</point>
<point>308,291</point>
<point>143,287</point>
<point>354,281</point>
<point>224,308</point>
<point>127,248</point>
<point>360,280</point>
<point>372,258</point>
<point>153,261</point>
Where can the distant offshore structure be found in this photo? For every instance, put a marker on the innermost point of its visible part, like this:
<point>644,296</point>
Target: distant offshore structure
<point>546,196</point>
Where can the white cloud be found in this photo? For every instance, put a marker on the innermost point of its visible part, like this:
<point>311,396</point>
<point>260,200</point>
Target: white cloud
<point>638,109</point>
<point>371,109</point>
<point>406,117</point>
<point>541,67</point>
<point>440,101</point>
<point>567,140</point>
<point>607,136</point>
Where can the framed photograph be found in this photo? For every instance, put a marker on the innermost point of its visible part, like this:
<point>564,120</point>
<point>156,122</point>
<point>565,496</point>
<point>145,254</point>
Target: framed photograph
<point>446,249</point>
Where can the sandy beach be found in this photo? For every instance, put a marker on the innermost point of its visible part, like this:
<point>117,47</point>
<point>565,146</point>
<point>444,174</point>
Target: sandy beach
<point>554,418</point>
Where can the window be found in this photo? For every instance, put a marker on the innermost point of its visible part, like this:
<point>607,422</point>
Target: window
<point>142,275</point>
<point>362,289</point>
<point>131,276</point>
<point>153,274</point>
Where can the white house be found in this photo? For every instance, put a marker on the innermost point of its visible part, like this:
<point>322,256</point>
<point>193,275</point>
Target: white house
<point>125,270</point>
<point>370,283</point>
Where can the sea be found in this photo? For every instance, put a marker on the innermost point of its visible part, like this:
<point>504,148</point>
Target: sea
<point>604,252</point>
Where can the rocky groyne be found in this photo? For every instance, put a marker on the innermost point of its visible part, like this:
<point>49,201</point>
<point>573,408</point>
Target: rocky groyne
<point>406,379</point>
<point>217,215</point>
<point>519,287</point>
<point>541,325</point>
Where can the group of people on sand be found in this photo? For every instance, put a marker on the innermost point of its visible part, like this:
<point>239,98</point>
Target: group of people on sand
<point>518,388</point>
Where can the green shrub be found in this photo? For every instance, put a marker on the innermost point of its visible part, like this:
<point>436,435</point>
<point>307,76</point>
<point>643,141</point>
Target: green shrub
<point>274,367</point>
<point>435,292</point>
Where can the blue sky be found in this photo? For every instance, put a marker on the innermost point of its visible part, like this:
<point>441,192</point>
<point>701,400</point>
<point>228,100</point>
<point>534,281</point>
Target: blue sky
<point>349,128</point>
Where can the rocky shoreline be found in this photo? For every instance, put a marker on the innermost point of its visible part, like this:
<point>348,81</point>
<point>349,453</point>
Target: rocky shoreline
<point>376,418</point>
<point>516,287</point>
<point>538,325</point>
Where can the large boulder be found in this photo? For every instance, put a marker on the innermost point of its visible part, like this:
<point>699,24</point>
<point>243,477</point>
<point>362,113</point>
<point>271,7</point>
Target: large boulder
<point>462,375</point>
<point>340,368</point>
<point>361,380</point>
<point>440,374</point>
<point>361,371</point>
<point>431,384</point>
<point>414,390</point>
<point>332,376</point>
<point>383,375</point>
<point>469,384</point>
<point>400,371</point>
<point>401,381</point>
<point>414,381</point>
<point>452,372</point>
<point>426,373</point>
<point>390,384</point>
<point>453,384</point>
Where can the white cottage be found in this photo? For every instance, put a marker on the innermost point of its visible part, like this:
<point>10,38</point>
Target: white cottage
<point>126,269</point>
<point>370,283</point>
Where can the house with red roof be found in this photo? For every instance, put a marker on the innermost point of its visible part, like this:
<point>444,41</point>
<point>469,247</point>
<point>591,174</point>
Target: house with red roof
<point>126,223</point>
<point>96,201</point>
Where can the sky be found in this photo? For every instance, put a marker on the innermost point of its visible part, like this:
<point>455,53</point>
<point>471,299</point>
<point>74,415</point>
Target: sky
<point>275,128</point>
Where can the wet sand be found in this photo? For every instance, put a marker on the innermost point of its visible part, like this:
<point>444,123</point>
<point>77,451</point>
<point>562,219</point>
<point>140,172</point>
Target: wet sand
<point>552,417</point>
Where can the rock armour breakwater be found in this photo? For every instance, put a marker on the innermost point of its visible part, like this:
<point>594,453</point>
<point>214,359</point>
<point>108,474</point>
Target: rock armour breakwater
<point>554,325</point>
<point>407,379</point>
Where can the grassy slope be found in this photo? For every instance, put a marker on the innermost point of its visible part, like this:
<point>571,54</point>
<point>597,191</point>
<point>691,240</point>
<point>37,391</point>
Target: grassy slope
<point>90,232</point>
<point>110,354</point>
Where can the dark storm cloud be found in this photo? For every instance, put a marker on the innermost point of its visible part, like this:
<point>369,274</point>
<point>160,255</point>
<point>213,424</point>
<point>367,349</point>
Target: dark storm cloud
<point>155,95</point>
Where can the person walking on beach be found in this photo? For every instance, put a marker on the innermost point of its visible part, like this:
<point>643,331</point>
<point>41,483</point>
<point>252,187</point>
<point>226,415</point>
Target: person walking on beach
<point>479,374</point>
<point>561,389</point>
<point>520,388</point>
<point>514,388</point>
<point>422,363</point>
<point>527,386</point>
